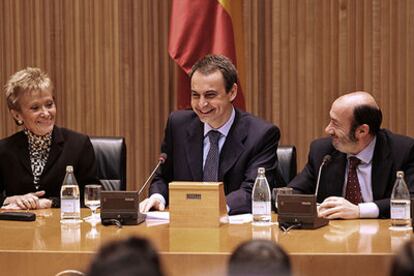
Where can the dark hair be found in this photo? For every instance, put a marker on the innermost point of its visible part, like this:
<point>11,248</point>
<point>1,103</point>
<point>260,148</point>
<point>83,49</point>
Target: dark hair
<point>259,257</point>
<point>403,262</point>
<point>133,256</point>
<point>211,63</point>
<point>367,114</point>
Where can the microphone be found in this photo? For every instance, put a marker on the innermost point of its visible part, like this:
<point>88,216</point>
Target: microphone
<point>325,161</point>
<point>161,160</point>
<point>122,207</point>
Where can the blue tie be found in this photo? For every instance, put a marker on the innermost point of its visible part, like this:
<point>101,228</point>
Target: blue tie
<point>211,166</point>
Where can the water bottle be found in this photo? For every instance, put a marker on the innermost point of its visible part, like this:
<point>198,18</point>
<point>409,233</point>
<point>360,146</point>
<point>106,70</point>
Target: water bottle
<point>261,207</point>
<point>69,198</point>
<point>400,204</point>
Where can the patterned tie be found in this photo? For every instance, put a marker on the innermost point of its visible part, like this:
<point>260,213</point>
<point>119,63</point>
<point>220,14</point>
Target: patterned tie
<point>211,166</point>
<point>353,190</point>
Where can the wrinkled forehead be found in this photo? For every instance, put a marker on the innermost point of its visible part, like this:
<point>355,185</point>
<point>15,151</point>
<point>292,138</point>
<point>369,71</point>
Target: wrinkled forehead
<point>34,95</point>
<point>342,111</point>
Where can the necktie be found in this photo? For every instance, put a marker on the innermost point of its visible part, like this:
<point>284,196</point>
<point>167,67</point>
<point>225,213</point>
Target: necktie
<point>211,166</point>
<point>353,190</point>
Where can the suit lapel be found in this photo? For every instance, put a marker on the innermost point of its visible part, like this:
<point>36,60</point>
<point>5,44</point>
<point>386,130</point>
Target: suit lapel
<point>55,150</point>
<point>194,148</point>
<point>335,174</point>
<point>233,146</point>
<point>23,150</point>
<point>381,167</point>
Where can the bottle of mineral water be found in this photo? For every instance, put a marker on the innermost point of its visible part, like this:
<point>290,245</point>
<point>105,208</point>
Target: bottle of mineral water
<point>400,204</point>
<point>261,207</point>
<point>69,198</point>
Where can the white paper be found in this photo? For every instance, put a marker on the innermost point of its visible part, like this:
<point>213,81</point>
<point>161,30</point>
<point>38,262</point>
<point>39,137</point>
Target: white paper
<point>240,219</point>
<point>157,215</point>
<point>155,218</point>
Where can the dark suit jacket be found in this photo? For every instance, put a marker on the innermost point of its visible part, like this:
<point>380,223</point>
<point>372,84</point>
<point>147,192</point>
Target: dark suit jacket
<point>68,148</point>
<point>250,144</point>
<point>392,153</point>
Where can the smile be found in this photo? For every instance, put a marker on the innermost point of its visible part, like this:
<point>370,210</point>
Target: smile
<point>48,122</point>
<point>207,112</point>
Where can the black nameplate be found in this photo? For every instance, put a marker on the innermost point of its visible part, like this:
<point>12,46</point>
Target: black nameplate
<point>194,196</point>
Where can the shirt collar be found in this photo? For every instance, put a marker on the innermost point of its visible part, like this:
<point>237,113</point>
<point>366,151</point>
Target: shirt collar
<point>366,154</point>
<point>224,130</point>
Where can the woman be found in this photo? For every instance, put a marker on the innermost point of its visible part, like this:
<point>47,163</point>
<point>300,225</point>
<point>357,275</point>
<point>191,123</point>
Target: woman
<point>33,161</point>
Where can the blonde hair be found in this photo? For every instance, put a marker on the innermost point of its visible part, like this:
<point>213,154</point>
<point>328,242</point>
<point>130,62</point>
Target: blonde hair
<point>26,80</point>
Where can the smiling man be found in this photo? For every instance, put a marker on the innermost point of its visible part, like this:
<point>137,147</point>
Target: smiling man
<point>214,141</point>
<point>358,181</point>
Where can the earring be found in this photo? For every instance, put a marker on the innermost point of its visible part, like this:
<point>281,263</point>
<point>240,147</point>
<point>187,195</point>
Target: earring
<point>19,122</point>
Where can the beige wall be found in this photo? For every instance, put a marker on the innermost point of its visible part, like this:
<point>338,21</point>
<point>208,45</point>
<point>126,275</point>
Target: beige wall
<point>113,76</point>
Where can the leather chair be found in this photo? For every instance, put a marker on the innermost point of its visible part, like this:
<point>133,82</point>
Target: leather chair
<point>286,155</point>
<point>110,153</point>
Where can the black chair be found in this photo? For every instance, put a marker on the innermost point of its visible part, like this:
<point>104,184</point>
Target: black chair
<point>110,153</point>
<point>286,156</point>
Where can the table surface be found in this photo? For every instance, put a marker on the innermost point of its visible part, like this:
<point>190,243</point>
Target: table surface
<point>344,238</point>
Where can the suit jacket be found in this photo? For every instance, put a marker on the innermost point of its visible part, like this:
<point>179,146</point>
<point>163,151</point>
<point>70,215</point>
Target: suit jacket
<point>67,148</point>
<point>251,143</point>
<point>392,153</point>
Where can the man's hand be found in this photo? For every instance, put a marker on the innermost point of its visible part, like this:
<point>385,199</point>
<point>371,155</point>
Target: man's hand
<point>27,201</point>
<point>338,207</point>
<point>149,203</point>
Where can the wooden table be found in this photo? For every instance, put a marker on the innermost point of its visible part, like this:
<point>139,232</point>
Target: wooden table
<point>45,247</point>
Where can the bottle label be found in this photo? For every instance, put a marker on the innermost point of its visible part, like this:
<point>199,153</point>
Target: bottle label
<point>400,210</point>
<point>261,208</point>
<point>70,206</point>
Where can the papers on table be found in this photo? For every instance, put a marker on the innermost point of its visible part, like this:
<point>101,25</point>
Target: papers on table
<point>240,219</point>
<point>155,218</point>
<point>158,215</point>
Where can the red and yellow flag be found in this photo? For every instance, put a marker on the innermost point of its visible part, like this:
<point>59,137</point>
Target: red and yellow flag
<point>201,27</point>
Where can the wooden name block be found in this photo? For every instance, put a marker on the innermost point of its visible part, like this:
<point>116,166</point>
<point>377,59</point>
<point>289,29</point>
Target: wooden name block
<point>197,204</point>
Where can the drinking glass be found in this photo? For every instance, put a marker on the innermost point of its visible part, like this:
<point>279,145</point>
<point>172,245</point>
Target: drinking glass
<point>93,199</point>
<point>281,191</point>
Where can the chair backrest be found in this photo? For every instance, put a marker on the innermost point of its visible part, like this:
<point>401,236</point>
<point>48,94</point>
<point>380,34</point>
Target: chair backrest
<point>286,155</point>
<point>110,153</point>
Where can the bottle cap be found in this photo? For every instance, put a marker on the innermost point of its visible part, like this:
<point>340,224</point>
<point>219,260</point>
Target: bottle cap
<point>400,174</point>
<point>69,168</point>
<point>261,170</point>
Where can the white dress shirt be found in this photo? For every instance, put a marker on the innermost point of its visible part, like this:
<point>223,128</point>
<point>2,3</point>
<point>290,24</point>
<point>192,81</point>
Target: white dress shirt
<point>224,131</point>
<point>367,209</point>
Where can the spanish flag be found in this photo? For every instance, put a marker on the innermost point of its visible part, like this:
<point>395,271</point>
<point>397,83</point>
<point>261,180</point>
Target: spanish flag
<point>201,27</point>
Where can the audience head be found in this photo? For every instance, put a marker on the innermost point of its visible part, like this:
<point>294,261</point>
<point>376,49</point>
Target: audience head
<point>260,258</point>
<point>403,262</point>
<point>130,257</point>
<point>29,97</point>
<point>355,119</point>
<point>213,89</point>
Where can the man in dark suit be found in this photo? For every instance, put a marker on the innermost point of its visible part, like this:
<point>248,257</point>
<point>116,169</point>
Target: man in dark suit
<point>357,182</point>
<point>243,142</point>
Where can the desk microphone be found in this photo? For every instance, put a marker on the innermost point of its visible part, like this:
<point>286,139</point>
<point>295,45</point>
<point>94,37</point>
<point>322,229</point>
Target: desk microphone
<point>300,210</point>
<point>122,207</point>
<point>325,161</point>
<point>161,160</point>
